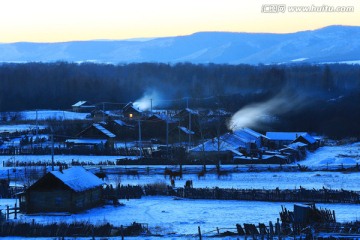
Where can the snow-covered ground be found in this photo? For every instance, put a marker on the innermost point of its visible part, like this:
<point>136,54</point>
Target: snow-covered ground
<point>52,114</point>
<point>167,216</point>
<point>346,155</point>
<point>180,218</point>
<point>20,128</point>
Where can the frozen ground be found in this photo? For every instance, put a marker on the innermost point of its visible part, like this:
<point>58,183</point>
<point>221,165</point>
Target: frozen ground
<point>328,156</point>
<point>19,127</point>
<point>52,114</point>
<point>167,216</point>
<point>179,218</point>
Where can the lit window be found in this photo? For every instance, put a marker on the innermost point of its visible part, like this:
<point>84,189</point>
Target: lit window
<point>131,115</point>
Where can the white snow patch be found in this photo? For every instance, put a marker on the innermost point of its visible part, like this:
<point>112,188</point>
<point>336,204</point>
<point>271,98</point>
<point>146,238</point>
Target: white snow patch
<point>53,114</point>
<point>299,59</point>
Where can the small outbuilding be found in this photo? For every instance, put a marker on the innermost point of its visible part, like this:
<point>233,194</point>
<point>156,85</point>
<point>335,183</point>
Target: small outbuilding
<point>71,190</point>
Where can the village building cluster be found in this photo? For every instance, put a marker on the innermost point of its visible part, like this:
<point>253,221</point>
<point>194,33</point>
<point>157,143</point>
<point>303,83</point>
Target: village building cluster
<point>201,133</point>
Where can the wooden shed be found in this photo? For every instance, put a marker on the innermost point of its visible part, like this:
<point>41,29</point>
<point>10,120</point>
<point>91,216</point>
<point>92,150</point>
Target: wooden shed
<point>71,190</point>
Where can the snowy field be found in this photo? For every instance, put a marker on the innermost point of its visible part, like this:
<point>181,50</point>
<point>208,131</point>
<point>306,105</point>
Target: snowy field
<point>167,216</point>
<point>346,155</point>
<point>179,218</point>
<point>19,128</point>
<point>52,114</point>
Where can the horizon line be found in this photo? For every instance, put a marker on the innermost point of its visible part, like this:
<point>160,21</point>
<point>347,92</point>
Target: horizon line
<point>145,39</point>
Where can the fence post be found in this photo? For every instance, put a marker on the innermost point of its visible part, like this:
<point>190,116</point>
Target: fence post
<point>7,212</point>
<point>271,230</point>
<point>15,211</point>
<point>278,228</point>
<point>122,232</point>
<point>199,230</point>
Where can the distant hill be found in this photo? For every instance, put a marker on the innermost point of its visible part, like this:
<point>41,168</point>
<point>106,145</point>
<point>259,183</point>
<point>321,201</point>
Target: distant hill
<point>329,44</point>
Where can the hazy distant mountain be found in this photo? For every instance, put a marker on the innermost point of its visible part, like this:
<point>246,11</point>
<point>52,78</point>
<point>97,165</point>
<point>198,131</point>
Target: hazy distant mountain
<point>329,44</point>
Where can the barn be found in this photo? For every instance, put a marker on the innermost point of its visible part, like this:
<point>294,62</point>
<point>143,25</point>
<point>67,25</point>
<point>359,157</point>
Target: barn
<point>71,190</point>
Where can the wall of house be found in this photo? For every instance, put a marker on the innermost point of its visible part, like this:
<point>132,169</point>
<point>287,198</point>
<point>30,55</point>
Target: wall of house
<point>61,201</point>
<point>54,201</point>
<point>87,199</point>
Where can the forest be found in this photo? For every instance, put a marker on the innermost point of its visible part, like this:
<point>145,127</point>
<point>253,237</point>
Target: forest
<point>319,98</point>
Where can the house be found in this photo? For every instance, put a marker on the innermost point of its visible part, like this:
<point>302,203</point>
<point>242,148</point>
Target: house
<point>159,126</point>
<point>251,136</point>
<point>278,140</point>
<point>184,114</point>
<point>223,147</point>
<point>312,143</point>
<point>130,112</point>
<point>122,130</point>
<point>83,106</point>
<point>70,190</point>
<point>295,151</point>
<point>94,135</point>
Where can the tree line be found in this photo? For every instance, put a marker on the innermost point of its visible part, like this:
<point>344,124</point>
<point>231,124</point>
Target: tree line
<point>332,89</point>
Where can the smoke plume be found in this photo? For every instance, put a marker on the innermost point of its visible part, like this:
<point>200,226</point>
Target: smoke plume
<point>252,115</point>
<point>151,98</point>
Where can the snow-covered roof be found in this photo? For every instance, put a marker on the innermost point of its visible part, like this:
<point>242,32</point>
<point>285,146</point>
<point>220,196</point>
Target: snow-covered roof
<point>227,142</point>
<point>79,103</point>
<point>104,130</point>
<point>245,135</point>
<point>185,130</point>
<point>78,179</point>
<point>193,112</point>
<point>122,123</point>
<point>284,136</point>
<point>296,145</point>
<point>86,141</point>
<point>253,133</point>
<point>161,117</point>
<point>308,138</point>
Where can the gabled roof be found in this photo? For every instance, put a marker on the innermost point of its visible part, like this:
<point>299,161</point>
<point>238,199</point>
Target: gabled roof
<point>104,130</point>
<point>227,142</point>
<point>253,133</point>
<point>308,138</point>
<point>245,135</point>
<point>284,136</point>
<point>78,179</point>
<point>192,111</point>
<point>161,117</point>
<point>130,106</point>
<point>185,112</point>
<point>185,130</point>
<point>296,145</point>
<point>79,103</point>
<point>122,123</point>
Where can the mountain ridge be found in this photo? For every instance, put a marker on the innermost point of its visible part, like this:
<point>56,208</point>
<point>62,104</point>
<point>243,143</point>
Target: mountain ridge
<point>334,43</point>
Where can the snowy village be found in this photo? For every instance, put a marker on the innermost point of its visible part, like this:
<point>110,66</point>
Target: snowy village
<point>171,120</point>
<point>134,173</point>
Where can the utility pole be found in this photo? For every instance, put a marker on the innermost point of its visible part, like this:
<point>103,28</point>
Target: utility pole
<point>103,112</point>
<point>52,151</point>
<point>167,132</point>
<point>167,137</point>
<point>189,129</point>
<point>37,124</point>
<point>140,145</point>
<point>150,104</point>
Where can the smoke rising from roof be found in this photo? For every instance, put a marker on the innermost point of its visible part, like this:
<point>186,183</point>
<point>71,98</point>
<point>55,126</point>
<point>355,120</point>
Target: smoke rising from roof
<point>252,115</point>
<point>151,98</point>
